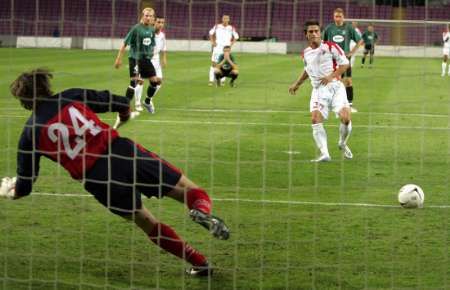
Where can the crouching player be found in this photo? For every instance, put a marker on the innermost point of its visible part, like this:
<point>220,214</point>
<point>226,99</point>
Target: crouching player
<point>226,67</point>
<point>64,127</point>
<point>320,60</point>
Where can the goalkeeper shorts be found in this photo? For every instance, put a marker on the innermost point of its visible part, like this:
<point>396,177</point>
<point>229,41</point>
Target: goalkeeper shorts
<point>117,180</point>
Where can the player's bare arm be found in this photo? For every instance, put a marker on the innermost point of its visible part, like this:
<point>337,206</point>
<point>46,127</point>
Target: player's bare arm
<point>227,57</point>
<point>301,79</point>
<point>233,41</point>
<point>118,61</point>
<point>336,74</point>
<point>219,65</point>
<point>353,51</point>
<point>212,39</point>
<point>164,58</point>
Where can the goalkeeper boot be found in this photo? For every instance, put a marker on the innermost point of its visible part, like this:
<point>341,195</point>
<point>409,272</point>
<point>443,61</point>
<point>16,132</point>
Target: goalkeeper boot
<point>200,271</point>
<point>347,152</point>
<point>213,224</point>
<point>322,158</point>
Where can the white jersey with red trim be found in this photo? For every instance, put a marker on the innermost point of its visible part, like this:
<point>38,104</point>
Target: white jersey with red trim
<point>224,34</point>
<point>322,61</point>
<point>446,38</point>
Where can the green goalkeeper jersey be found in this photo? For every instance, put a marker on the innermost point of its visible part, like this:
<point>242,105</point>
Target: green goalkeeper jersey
<point>341,35</point>
<point>141,39</point>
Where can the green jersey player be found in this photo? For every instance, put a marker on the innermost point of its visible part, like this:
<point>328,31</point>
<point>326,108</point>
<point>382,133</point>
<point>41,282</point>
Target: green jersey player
<point>342,33</point>
<point>370,38</point>
<point>226,67</point>
<point>141,39</point>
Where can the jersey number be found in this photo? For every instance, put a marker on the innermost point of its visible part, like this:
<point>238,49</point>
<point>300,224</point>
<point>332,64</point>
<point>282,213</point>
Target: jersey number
<point>75,117</point>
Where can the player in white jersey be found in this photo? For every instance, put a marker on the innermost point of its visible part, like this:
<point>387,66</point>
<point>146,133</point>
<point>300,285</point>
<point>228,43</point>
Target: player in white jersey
<point>353,43</point>
<point>324,63</point>
<point>159,60</point>
<point>446,50</point>
<point>221,35</point>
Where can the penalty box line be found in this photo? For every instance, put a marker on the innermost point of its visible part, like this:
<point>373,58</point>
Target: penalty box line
<point>274,124</point>
<point>270,111</point>
<point>268,201</point>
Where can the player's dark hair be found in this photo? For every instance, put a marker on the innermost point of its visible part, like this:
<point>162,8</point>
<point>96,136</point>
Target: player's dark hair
<point>309,23</point>
<point>31,87</point>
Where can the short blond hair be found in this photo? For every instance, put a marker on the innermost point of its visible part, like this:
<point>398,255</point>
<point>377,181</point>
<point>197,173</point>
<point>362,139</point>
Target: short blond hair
<point>339,10</point>
<point>147,9</point>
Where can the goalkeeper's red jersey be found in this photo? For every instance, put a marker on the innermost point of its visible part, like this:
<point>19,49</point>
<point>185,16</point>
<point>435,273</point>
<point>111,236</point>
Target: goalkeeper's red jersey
<point>66,129</point>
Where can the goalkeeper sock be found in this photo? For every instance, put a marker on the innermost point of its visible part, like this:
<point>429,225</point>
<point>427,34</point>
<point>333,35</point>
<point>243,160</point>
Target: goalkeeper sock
<point>344,132</point>
<point>320,137</point>
<point>349,91</point>
<point>211,74</point>
<point>197,198</point>
<point>167,239</point>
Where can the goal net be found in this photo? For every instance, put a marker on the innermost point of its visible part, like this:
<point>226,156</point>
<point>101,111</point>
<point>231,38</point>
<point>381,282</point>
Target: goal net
<point>294,224</point>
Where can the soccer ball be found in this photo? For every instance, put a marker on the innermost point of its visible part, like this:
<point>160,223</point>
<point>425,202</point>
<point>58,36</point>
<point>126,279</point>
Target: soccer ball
<point>411,196</point>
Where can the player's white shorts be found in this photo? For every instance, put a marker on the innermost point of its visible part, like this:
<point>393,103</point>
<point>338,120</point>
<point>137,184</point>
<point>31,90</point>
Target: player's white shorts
<point>331,96</point>
<point>446,50</point>
<point>158,68</point>
<point>217,51</point>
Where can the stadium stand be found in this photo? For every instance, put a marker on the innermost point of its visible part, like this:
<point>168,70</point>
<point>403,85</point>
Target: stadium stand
<point>258,19</point>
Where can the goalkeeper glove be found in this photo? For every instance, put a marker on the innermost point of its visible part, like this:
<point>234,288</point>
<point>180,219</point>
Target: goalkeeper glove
<point>7,189</point>
<point>120,120</point>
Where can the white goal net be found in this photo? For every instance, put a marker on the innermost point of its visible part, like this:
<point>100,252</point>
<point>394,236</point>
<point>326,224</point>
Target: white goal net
<point>294,224</point>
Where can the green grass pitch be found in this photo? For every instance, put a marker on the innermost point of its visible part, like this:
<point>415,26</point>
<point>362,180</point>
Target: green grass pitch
<point>295,225</point>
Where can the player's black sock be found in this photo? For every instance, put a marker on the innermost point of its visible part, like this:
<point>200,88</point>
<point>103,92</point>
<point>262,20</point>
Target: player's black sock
<point>147,100</point>
<point>371,59</point>
<point>151,90</point>
<point>129,93</point>
<point>363,60</point>
<point>349,91</point>
<point>218,76</point>
<point>233,76</point>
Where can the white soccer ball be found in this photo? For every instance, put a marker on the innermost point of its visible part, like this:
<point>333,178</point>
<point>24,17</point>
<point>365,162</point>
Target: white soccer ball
<point>411,196</point>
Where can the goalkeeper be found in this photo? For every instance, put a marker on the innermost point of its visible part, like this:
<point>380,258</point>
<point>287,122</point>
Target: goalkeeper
<point>64,127</point>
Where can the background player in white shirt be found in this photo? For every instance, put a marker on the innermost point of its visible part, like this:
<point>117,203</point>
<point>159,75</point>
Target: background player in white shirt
<point>221,35</point>
<point>446,49</point>
<point>324,63</point>
<point>353,43</point>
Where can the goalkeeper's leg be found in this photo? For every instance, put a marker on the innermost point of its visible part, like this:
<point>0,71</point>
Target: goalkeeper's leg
<point>199,203</point>
<point>167,239</point>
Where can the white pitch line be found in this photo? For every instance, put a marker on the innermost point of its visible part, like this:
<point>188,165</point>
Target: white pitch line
<point>279,112</point>
<point>184,122</point>
<point>267,201</point>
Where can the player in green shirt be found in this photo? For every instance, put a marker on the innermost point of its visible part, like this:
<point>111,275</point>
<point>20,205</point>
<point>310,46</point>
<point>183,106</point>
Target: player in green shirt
<point>226,67</point>
<point>370,38</point>
<point>141,39</point>
<point>342,33</point>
